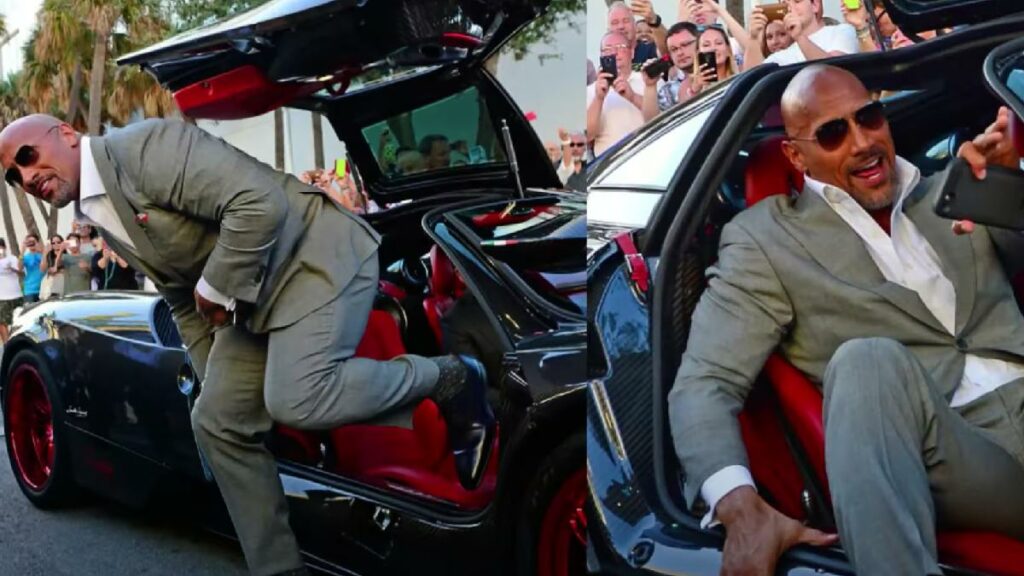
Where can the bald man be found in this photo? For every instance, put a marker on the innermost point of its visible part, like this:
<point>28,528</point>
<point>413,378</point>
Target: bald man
<point>270,282</point>
<point>912,331</point>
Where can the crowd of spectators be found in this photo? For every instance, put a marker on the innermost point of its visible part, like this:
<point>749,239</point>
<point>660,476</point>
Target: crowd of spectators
<point>647,66</point>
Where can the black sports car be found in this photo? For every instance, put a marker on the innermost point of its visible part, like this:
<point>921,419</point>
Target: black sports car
<point>481,258</point>
<point>657,204</point>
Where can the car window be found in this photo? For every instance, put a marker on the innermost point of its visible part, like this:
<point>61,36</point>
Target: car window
<point>443,135</point>
<point>654,165</point>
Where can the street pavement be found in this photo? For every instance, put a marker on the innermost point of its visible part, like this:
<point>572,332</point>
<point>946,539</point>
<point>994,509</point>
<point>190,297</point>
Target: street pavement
<point>99,538</point>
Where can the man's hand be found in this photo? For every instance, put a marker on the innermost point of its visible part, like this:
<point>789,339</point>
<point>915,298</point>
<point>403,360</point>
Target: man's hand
<point>793,25</point>
<point>213,313</point>
<point>563,135</point>
<point>644,9</point>
<point>648,81</point>
<point>756,534</point>
<point>857,18</point>
<point>622,86</point>
<point>758,22</point>
<point>992,147</point>
<point>601,86</point>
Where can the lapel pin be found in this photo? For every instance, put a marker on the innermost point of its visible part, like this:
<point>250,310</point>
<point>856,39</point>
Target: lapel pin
<point>142,219</point>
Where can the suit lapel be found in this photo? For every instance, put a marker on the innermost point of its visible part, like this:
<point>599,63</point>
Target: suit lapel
<point>956,253</point>
<point>838,249</point>
<point>115,184</point>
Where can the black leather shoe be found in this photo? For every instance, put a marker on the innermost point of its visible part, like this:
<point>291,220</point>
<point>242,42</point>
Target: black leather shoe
<point>471,424</point>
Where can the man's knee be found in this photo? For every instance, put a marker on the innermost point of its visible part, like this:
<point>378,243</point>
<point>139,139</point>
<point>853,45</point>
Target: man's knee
<point>868,372</point>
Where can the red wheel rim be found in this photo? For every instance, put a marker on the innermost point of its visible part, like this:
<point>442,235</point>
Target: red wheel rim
<point>563,531</point>
<point>30,427</point>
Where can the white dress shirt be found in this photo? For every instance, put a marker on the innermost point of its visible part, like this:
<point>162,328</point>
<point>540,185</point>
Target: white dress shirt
<point>95,207</point>
<point>906,258</point>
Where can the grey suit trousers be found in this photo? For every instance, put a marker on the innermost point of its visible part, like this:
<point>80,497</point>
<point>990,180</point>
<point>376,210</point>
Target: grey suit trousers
<point>302,376</point>
<point>902,462</point>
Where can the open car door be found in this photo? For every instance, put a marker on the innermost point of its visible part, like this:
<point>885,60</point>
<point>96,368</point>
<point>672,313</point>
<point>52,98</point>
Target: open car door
<point>921,15</point>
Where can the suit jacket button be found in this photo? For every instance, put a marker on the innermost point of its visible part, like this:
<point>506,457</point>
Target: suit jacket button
<point>961,344</point>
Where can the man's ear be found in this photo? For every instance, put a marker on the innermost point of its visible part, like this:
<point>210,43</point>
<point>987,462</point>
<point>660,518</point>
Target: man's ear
<point>795,156</point>
<point>69,135</point>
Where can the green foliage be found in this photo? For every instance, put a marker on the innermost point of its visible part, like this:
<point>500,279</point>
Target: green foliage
<point>188,14</point>
<point>541,31</point>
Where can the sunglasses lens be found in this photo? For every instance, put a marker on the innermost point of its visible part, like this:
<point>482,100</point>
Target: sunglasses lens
<point>831,134</point>
<point>871,116</point>
<point>13,177</point>
<point>26,156</point>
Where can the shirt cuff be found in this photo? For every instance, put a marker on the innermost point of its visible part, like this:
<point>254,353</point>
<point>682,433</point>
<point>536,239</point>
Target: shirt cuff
<point>718,486</point>
<point>211,294</point>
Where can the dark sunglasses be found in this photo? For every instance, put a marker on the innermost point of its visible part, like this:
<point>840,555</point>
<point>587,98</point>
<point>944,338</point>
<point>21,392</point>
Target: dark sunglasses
<point>833,133</point>
<point>25,157</point>
<point>577,144</point>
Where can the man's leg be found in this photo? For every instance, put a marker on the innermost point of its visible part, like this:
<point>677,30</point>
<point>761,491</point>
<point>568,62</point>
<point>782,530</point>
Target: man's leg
<point>900,461</point>
<point>230,422</point>
<point>313,382</point>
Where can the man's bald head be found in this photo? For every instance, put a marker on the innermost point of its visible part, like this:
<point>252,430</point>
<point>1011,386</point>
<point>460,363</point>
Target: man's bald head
<point>803,97</point>
<point>41,154</point>
<point>863,162</point>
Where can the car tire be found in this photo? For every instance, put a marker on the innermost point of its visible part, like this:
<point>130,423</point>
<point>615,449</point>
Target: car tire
<point>551,533</point>
<point>37,445</point>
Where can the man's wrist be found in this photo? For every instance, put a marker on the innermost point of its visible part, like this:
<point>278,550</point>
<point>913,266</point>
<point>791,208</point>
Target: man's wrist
<point>737,504</point>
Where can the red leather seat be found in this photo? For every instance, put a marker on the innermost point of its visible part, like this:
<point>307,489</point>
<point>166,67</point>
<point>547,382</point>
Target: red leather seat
<point>800,403</point>
<point>417,460</point>
<point>445,288</point>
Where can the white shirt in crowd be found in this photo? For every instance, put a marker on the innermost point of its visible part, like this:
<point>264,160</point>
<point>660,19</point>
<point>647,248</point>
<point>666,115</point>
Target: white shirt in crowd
<point>619,116</point>
<point>837,38</point>
<point>10,287</point>
<point>97,209</point>
<point>906,258</point>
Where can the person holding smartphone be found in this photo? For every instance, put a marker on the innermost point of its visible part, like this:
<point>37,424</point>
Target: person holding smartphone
<point>812,40</point>
<point>28,265</point>
<point>51,265</point>
<point>614,101</point>
<point>77,266</point>
<point>714,61</point>
<point>682,50</point>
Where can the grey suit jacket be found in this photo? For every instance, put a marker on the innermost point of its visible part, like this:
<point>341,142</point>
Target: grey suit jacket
<point>194,207</point>
<point>793,275</point>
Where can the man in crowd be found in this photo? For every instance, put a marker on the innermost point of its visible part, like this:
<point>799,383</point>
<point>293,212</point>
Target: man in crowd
<point>10,290</point>
<point>270,283</point>
<point>29,265</point>
<point>812,40</point>
<point>554,152</point>
<point>621,19</point>
<point>866,290</point>
<point>436,150</point>
<point>614,102</point>
<point>682,49</point>
<point>77,266</point>
<point>572,165</point>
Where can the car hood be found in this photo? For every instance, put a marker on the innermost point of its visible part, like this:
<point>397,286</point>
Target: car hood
<point>921,15</point>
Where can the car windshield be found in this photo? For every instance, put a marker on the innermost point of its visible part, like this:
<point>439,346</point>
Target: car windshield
<point>443,135</point>
<point>541,243</point>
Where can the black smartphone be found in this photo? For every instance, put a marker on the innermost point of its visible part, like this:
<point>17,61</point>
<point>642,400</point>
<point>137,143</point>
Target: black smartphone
<point>609,66</point>
<point>998,200</point>
<point>659,68</point>
<point>708,60</point>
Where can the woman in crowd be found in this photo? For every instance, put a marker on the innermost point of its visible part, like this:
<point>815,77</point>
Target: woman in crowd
<point>775,38</point>
<point>713,39</point>
<point>53,282</point>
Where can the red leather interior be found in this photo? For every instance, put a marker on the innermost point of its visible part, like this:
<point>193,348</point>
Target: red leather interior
<point>769,172</point>
<point>800,402</point>
<point>413,460</point>
<point>445,288</point>
<point>500,218</point>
